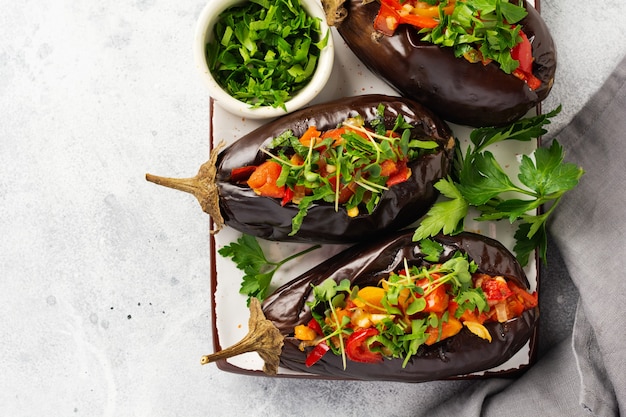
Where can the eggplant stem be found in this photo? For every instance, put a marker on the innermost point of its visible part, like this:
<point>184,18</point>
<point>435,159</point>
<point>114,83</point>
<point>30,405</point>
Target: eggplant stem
<point>334,11</point>
<point>263,337</point>
<point>202,186</point>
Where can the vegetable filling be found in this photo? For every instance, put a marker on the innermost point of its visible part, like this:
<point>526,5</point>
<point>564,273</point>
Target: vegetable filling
<point>349,166</point>
<point>413,307</point>
<point>478,30</point>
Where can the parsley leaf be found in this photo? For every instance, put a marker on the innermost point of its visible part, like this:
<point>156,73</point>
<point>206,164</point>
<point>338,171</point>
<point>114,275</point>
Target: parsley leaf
<point>482,178</point>
<point>522,130</point>
<point>263,52</point>
<point>482,183</point>
<point>248,256</point>
<point>444,216</point>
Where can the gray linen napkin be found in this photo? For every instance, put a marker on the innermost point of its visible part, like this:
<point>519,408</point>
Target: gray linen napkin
<point>585,374</point>
<point>589,228</point>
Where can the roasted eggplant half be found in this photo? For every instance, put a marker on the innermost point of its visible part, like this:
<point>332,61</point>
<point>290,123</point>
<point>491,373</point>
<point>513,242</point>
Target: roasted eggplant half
<point>469,349</point>
<point>226,189</point>
<point>457,88</point>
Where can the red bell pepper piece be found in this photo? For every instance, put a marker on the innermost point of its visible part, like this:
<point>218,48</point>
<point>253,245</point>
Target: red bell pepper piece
<point>357,349</point>
<point>401,174</point>
<point>313,324</point>
<point>316,354</point>
<point>420,22</point>
<point>389,17</point>
<point>287,197</point>
<point>263,180</point>
<point>242,174</point>
<point>529,300</point>
<point>523,53</point>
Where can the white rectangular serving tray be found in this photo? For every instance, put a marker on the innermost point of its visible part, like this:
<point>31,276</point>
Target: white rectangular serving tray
<point>230,313</point>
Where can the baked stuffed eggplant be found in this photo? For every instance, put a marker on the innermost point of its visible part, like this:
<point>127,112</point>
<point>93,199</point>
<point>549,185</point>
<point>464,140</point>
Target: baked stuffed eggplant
<point>249,185</point>
<point>512,311</point>
<point>457,83</point>
<point>397,310</point>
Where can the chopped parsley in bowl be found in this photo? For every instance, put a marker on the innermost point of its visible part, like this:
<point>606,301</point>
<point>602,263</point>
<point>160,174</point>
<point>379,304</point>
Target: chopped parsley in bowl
<point>262,58</point>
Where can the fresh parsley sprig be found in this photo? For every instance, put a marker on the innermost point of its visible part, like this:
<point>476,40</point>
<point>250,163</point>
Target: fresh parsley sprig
<point>480,181</point>
<point>259,271</point>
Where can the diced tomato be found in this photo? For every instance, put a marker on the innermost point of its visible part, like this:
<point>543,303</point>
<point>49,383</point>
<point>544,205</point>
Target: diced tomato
<point>263,180</point>
<point>242,174</point>
<point>495,289</point>
<point>296,159</point>
<point>357,348</point>
<point>530,80</point>
<point>345,190</point>
<point>437,300</point>
<point>299,192</point>
<point>467,315</point>
<point>335,134</point>
<point>514,307</point>
<point>523,53</point>
<point>316,354</point>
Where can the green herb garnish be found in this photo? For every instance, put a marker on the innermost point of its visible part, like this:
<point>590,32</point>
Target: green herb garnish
<point>352,163</point>
<point>485,29</point>
<point>259,271</point>
<point>401,330</point>
<point>264,52</point>
<point>481,182</point>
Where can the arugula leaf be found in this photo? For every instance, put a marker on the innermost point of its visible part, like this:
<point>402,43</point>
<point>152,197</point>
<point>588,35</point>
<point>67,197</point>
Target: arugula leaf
<point>248,256</point>
<point>483,184</point>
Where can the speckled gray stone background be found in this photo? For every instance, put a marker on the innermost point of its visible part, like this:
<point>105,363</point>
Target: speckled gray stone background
<point>104,296</point>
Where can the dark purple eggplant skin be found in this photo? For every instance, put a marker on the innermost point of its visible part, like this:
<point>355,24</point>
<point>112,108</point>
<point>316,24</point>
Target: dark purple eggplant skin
<point>458,91</point>
<point>367,263</point>
<point>401,205</point>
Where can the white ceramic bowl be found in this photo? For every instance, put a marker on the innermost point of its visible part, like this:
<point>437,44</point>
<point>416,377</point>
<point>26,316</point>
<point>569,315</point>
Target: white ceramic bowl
<point>204,34</point>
